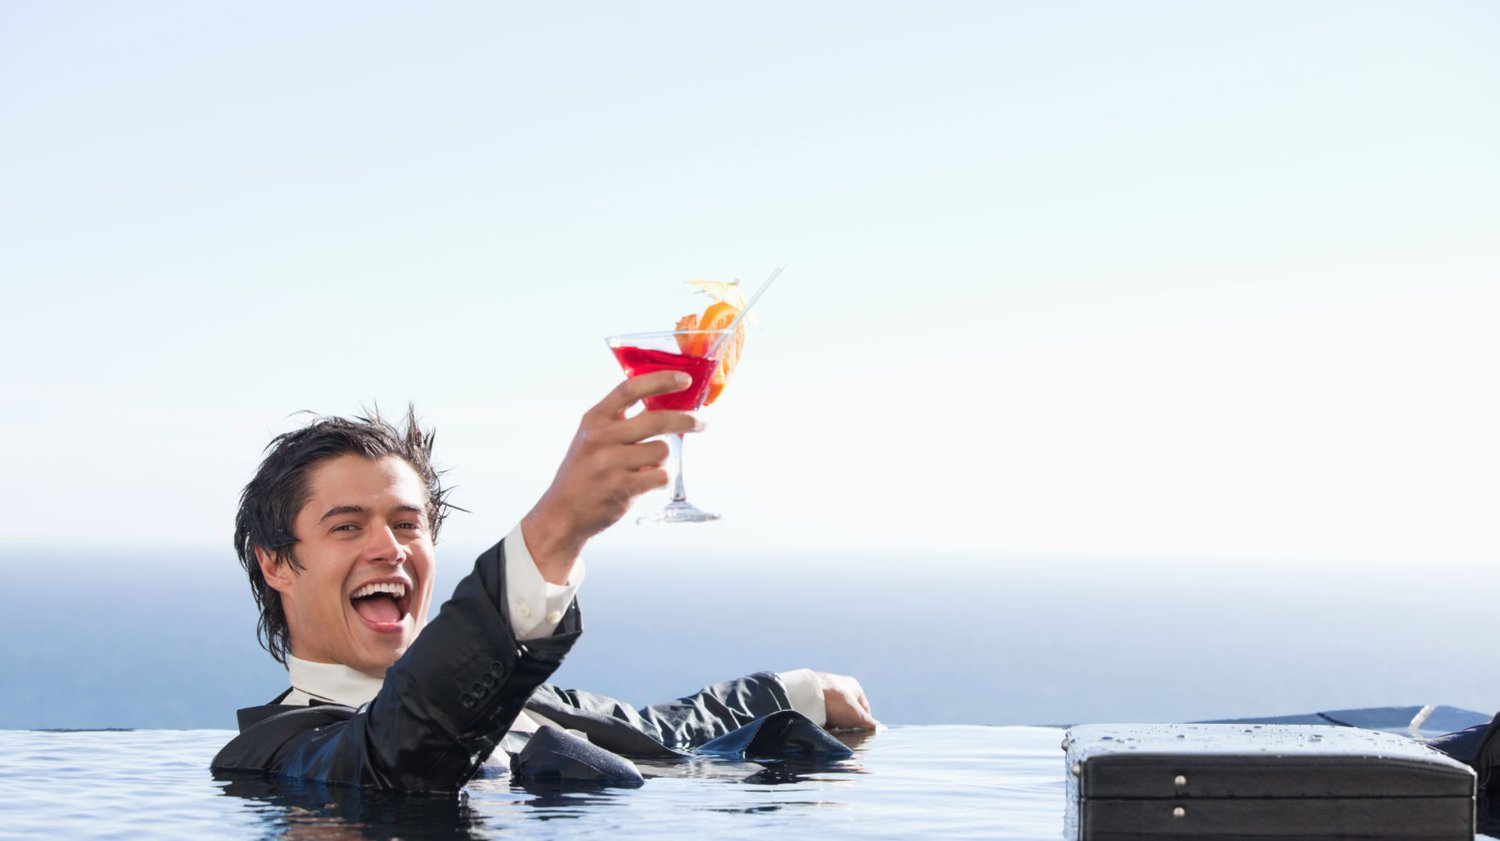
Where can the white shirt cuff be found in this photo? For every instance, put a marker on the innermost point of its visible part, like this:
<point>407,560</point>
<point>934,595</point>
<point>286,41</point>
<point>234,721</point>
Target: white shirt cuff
<point>536,605</point>
<point>806,694</point>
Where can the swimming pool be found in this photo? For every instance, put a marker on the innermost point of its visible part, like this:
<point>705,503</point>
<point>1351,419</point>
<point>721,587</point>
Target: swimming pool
<point>904,782</point>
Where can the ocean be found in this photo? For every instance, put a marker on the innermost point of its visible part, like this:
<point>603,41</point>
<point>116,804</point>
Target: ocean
<point>166,640</point>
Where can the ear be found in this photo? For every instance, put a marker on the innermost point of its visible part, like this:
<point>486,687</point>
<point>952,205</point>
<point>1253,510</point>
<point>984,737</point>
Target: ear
<point>278,574</point>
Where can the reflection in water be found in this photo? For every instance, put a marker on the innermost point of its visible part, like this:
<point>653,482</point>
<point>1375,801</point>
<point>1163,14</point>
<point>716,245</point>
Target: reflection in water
<point>791,772</point>
<point>563,801</point>
<point>906,782</point>
<point>298,809</point>
<point>853,739</point>
<point>1488,812</point>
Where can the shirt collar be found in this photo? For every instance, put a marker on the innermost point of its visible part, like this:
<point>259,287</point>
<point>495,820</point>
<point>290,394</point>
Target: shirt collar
<point>333,682</point>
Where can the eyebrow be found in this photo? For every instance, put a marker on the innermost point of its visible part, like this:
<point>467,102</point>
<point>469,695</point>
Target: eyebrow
<point>340,510</point>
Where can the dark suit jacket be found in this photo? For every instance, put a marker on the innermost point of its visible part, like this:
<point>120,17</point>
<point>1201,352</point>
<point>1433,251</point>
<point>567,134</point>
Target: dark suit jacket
<point>444,707</point>
<point>448,702</point>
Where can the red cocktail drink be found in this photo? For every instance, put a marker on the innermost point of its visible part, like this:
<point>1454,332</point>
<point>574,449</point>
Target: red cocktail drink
<point>638,360</point>
<point>646,353</point>
<point>705,347</point>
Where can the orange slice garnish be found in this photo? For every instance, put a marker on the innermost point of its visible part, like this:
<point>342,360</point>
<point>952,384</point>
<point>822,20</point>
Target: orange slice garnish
<point>687,343</point>
<point>718,317</point>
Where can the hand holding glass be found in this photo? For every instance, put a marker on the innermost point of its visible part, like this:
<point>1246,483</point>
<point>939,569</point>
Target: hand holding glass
<point>643,353</point>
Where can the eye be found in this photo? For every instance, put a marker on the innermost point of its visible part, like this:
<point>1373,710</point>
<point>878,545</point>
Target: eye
<point>346,527</point>
<point>410,525</point>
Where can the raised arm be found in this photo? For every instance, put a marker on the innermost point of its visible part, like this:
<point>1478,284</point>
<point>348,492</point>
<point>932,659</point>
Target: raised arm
<point>609,463</point>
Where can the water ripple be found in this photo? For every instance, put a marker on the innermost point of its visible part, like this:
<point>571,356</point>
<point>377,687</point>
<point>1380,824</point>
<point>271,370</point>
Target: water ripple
<point>957,782</point>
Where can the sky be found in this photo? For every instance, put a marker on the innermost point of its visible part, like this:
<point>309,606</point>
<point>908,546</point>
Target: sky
<point>1161,279</point>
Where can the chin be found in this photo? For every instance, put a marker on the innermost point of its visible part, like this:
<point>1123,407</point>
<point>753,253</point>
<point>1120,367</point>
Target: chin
<point>374,656</point>
<point>392,650</point>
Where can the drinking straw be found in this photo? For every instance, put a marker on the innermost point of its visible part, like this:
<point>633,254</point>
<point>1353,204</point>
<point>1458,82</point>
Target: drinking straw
<point>713,350</point>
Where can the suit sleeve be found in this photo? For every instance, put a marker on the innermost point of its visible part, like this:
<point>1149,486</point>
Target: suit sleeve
<point>686,722</point>
<point>445,704</point>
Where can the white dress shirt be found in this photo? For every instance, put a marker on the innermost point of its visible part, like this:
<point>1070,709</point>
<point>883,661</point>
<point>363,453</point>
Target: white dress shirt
<point>536,608</point>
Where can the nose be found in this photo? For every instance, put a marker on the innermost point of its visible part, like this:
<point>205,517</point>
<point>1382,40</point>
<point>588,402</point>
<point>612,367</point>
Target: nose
<point>383,547</point>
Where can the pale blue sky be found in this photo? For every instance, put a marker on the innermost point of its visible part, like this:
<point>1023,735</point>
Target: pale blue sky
<point>1191,279</point>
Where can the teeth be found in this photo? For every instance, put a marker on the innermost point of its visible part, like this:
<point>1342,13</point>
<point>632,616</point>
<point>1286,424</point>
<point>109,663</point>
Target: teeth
<point>395,588</point>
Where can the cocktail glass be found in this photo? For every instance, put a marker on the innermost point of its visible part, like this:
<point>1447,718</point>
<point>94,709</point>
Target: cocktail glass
<point>643,353</point>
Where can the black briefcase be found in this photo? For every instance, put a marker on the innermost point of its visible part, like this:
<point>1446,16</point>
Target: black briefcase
<point>1130,782</point>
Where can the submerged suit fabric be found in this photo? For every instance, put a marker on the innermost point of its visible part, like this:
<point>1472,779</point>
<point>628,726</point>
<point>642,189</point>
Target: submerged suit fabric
<point>1479,748</point>
<point>663,730</point>
<point>450,700</point>
<point>557,756</point>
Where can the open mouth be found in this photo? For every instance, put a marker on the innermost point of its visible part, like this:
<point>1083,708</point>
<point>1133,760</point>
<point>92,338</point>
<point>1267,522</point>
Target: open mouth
<point>382,604</point>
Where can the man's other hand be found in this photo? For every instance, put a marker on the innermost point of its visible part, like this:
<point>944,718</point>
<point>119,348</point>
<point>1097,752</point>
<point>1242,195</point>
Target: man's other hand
<point>607,466</point>
<point>847,707</point>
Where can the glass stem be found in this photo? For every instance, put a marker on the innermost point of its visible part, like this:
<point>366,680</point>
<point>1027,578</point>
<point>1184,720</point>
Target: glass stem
<point>674,444</point>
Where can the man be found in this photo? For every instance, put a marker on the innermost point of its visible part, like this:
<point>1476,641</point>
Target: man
<point>336,532</point>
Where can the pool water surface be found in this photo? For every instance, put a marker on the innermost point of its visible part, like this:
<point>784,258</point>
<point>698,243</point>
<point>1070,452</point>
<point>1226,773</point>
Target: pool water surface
<point>927,781</point>
<point>904,782</point>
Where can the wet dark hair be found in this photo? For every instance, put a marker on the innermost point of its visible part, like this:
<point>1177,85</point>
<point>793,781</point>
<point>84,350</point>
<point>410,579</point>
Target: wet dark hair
<point>270,503</point>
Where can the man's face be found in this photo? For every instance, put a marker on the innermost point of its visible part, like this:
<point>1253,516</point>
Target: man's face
<point>366,550</point>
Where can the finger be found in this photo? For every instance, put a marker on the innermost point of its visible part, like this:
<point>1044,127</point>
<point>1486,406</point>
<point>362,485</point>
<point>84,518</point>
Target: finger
<point>636,456</point>
<point>623,490</point>
<point>651,424</point>
<point>635,389</point>
<point>848,714</point>
<point>861,710</point>
<point>650,479</point>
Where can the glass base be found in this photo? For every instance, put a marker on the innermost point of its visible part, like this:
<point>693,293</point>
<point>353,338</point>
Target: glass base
<point>679,512</point>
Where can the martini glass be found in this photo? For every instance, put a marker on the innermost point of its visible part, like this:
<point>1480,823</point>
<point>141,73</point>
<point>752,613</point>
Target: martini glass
<point>643,353</point>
